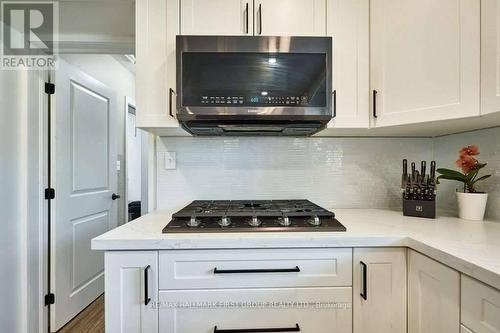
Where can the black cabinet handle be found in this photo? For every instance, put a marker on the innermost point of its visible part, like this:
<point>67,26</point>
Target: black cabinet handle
<point>170,108</point>
<point>115,196</point>
<point>334,103</point>
<point>260,19</point>
<point>246,21</point>
<point>254,330</point>
<point>262,270</point>
<point>375,104</point>
<point>146,285</point>
<point>363,280</point>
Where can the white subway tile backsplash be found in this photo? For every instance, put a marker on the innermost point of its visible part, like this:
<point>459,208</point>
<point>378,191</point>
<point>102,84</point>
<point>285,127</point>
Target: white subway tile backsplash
<point>333,172</point>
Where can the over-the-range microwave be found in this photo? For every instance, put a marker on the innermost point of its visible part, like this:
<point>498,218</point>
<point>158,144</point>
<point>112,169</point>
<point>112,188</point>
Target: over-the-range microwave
<point>232,85</point>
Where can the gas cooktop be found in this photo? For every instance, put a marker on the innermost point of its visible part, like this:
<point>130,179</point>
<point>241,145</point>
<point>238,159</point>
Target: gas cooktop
<point>252,215</point>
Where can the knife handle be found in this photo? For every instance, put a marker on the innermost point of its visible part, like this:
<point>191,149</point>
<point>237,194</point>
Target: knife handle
<point>423,168</point>
<point>405,167</point>
<point>433,169</point>
<point>412,170</point>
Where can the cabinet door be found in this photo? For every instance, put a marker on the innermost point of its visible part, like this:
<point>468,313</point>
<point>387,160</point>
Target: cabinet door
<point>480,306</point>
<point>490,56</point>
<point>290,17</point>
<point>424,60</point>
<point>433,296</point>
<point>217,17</point>
<point>305,310</point>
<point>348,24</point>
<point>131,278</point>
<point>379,290</point>
<point>157,24</point>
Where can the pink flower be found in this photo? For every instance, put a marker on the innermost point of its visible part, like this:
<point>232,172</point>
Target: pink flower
<point>471,150</point>
<point>466,163</point>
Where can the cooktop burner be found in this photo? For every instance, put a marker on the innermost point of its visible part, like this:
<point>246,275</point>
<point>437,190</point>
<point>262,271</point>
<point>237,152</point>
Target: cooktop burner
<point>252,215</point>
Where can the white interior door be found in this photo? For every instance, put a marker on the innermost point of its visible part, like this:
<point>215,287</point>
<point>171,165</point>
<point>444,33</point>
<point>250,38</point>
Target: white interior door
<point>84,174</point>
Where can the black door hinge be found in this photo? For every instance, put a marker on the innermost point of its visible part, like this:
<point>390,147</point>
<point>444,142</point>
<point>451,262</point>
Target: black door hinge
<point>50,299</point>
<point>50,88</point>
<point>50,193</point>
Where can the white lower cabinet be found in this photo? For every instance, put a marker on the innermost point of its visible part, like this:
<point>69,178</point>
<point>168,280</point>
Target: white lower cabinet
<point>306,310</point>
<point>131,292</point>
<point>433,296</point>
<point>480,306</point>
<point>379,290</point>
<point>464,329</point>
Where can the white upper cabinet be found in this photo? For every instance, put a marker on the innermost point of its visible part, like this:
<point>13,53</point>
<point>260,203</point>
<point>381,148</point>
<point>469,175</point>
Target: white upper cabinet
<point>290,18</point>
<point>216,17</point>
<point>490,56</point>
<point>433,296</point>
<point>348,24</point>
<point>157,24</point>
<point>425,57</point>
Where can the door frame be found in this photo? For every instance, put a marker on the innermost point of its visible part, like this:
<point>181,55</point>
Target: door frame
<point>144,163</point>
<point>37,238</point>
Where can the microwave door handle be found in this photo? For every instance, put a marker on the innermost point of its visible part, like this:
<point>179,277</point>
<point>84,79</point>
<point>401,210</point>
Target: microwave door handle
<point>334,103</point>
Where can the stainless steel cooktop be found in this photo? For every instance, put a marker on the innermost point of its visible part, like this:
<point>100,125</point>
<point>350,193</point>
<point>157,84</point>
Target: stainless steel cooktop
<point>252,216</point>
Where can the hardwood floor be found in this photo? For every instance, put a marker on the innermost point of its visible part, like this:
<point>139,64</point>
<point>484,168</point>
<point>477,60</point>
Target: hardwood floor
<point>90,320</point>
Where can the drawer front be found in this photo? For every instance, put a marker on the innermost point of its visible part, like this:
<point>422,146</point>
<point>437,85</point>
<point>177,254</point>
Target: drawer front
<point>310,310</point>
<point>193,269</point>
<point>480,306</point>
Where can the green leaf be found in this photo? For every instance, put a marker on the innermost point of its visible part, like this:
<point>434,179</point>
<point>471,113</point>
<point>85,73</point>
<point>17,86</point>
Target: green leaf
<point>472,174</point>
<point>448,177</point>
<point>481,178</point>
<point>451,173</point>
<point>480,166</point>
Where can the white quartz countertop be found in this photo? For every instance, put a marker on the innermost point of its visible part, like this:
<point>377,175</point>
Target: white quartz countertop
<point>472,248</point>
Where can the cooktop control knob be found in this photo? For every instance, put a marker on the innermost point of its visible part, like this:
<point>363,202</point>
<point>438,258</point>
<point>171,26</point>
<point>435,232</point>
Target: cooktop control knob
<point>193,222</point>
<point>284,221</point>
<point>224,221</point>
<point>254,221</point>
<point>315,221</point>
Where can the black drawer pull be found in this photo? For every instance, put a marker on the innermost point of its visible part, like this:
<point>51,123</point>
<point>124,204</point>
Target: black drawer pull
<point>146,285</point>
<point>252,330</point>
<point>262,270</point>
<point>375,104</point>
<point>246,19</point>
<point>363,281</point>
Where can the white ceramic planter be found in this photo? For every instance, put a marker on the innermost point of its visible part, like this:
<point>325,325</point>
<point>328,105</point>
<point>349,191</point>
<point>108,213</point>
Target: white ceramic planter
<point>471,206</point>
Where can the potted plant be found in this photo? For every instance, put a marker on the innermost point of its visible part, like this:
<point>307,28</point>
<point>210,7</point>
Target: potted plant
<point>471,203</point>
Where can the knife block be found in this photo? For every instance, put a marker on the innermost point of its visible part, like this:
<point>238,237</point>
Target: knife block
<point>419,208</point>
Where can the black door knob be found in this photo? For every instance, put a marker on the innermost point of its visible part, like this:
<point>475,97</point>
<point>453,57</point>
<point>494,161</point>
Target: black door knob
<point>115,196</point>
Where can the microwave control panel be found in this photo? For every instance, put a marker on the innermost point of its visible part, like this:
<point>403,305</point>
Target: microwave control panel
<point>254,100</point>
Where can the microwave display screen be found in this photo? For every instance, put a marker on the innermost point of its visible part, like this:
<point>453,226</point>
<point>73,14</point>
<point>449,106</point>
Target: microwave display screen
<point>254,79</point>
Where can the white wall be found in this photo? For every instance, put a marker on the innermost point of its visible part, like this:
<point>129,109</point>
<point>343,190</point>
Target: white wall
<point>334,172</point>
<point>108,70</point>
<point>13,200</point>
<point>446,150</point>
